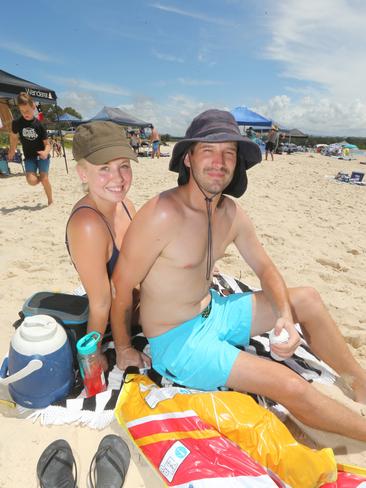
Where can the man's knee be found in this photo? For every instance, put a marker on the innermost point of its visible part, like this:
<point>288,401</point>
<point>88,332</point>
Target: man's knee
<point>294,388</point>
<point>305,298</point>
<point>32,179</point>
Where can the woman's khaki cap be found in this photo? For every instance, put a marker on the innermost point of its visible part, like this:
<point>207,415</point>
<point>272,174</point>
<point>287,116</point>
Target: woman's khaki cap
<point>100,142</point>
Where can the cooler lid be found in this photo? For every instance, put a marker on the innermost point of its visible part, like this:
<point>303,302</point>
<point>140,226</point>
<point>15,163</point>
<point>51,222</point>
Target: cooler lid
<point>39,334</point>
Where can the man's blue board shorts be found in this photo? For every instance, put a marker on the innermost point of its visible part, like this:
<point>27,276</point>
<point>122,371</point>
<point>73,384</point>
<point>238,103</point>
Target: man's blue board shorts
<point>201,352</point>
<point>31,165</point>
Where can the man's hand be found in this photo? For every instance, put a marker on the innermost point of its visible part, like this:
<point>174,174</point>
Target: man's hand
<point>286,349</point>
<point>128,356</point>
<point>43,154</point>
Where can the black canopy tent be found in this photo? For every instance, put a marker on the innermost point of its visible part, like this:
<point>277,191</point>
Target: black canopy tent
<point>11,85</point>
<point>114,114</point>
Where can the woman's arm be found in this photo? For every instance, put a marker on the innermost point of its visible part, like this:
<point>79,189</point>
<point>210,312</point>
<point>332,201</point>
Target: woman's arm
<point>89,242</point>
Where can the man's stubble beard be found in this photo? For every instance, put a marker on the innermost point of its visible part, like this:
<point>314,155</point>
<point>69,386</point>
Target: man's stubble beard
<point>215,187</point>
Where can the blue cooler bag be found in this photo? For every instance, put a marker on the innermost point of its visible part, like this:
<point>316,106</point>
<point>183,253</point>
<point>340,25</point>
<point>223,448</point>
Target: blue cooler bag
<point>40,363</point>
<point>71,311</point>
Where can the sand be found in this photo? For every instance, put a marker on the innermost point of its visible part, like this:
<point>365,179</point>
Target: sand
<point>312,227</point>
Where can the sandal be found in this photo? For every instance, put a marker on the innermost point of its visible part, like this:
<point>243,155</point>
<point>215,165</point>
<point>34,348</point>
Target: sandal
<point>56,465</point>
<point>110,463</point>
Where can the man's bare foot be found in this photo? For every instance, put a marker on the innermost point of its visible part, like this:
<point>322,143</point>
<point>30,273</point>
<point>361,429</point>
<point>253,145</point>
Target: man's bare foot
<point>359,389</point>
<point>336,393</point>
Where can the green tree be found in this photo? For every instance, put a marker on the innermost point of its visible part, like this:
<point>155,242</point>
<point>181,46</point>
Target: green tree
<point>50,112</point>
<point>72,111</point>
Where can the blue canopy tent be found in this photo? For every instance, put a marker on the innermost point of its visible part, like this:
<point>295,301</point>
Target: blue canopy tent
<point>245,116</point>
<point>68,118</point>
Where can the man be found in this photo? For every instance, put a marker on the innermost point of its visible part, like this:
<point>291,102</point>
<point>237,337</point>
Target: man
<point>35,143</point>
<point>155,142</point>
<point>250,132</point>
<point>272,142</point>
<point>170,249</point>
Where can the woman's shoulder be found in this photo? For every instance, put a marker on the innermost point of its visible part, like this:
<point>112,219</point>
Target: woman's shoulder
<point>85,220</point>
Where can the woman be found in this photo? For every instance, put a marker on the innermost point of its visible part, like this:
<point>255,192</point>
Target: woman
<point>99,220</point>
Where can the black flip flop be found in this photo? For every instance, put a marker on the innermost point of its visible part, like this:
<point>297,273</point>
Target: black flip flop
<point>56,465</point>
<point>110,463</point>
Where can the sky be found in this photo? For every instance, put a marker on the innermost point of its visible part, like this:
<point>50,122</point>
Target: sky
<point>165,61</point>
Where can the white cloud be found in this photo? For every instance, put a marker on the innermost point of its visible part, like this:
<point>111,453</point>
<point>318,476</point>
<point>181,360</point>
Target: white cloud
<point>85,103</point>
<point>320,115</point>
<point>172,117</point>
<point>167,57</point>
<point>194,15</point>
<point>25,51</point>
<point>322,44</point>
<point>87,85</point>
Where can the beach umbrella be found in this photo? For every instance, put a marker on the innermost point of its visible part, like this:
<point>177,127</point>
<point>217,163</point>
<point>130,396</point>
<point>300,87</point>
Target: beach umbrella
<point>245,116</point>
<point>350,146</point>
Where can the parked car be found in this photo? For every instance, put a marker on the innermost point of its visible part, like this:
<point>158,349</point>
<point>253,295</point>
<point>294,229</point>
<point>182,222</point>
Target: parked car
<point>289,148</point>
<point>70,130</point>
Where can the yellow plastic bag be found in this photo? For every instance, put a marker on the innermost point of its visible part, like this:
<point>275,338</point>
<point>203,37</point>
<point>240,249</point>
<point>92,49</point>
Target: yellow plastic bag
<point>236,416</point>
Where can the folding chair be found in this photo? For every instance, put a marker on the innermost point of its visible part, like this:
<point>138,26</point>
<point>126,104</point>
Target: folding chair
<point>18,159</point>
<point>356,176</point>
<point>4,167</point>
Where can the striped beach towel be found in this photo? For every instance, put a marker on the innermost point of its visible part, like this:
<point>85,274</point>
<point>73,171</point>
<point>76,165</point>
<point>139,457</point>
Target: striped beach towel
<point>97,412</point>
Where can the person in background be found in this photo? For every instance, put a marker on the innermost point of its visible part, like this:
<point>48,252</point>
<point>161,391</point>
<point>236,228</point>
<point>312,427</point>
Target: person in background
<point>155,142</point>
<point>35,144</point>
<point>99,220</point>
<point>251,134</point>
<point>272,141</point>
<point>281,142</point>
<point>135,142</point>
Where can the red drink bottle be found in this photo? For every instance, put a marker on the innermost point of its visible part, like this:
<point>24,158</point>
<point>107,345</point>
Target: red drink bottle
<point>90,365</point>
